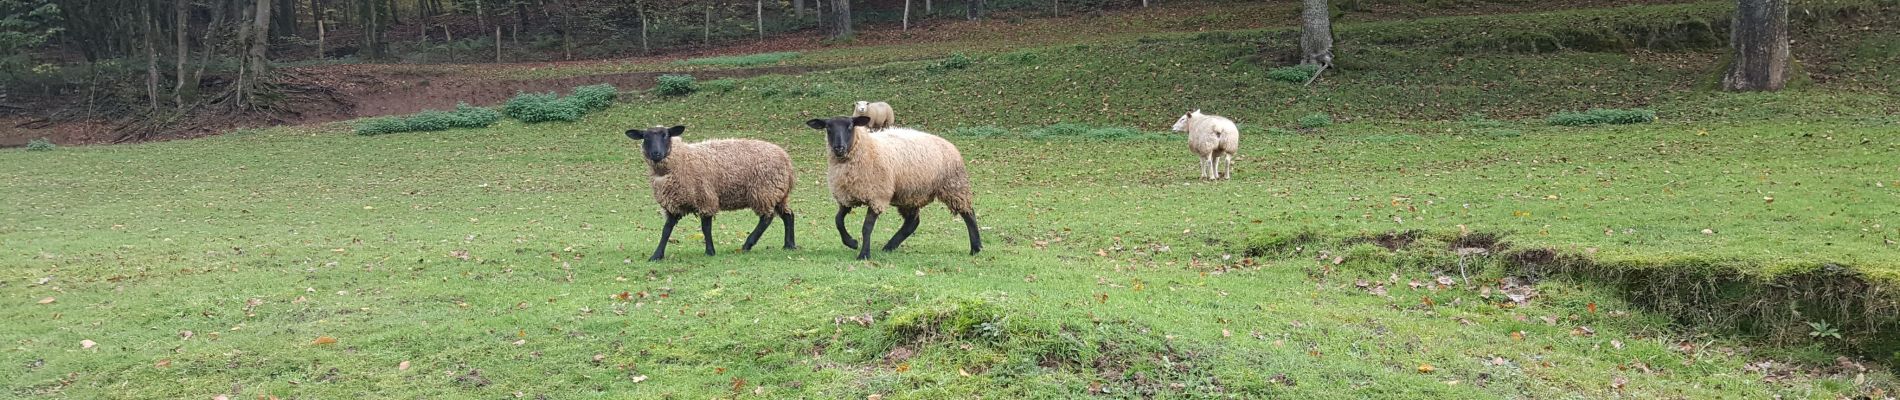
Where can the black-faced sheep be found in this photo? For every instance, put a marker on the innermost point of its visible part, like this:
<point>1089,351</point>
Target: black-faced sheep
<point>707,177</point>
<point>880,112</point>
<point>895,167</point>
<point>1214,139</point>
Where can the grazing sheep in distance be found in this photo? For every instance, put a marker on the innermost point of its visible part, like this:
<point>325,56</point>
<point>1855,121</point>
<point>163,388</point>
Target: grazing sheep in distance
<point>880,112</point>
<point>894,167</point>
<point>1214,139</point>
<point>707,177</point>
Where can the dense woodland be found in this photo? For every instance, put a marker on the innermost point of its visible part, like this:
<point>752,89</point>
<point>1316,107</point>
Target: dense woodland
<point>165,59</point>
<point>184,53</point>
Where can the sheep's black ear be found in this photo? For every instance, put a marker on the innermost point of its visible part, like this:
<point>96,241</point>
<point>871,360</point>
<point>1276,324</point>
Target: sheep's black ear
<point>636,134</point>
<point>860,121</point>
<point>818,124</point>
<point>676,130</point>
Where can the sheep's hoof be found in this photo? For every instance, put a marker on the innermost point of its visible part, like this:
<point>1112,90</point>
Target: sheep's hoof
<point>853,244</point>
<point>864,256</point>
<point>791,247</point>
<point>656,258</point>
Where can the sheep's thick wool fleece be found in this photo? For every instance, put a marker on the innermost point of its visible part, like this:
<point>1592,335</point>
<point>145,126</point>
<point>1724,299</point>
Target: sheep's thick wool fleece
<point>727,174</point>
<point>900,167</point>
<point>1212,135</point>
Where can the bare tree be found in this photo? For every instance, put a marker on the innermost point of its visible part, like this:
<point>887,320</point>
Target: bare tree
<point>1759,35</point>
<point>260,41</point>
<point>841,18</point>
<point>151,53</point>
<point>1316,36</point>
<point>179,26</point>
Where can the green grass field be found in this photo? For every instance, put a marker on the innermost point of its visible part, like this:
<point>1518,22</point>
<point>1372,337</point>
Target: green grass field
<point>309,262</point>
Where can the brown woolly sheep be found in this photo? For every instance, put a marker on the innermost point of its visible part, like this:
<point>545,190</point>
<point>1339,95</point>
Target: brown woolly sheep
<point>1214,139</point>
<point>882,117</point>
<point>894,167</point>
<point>707,177</point>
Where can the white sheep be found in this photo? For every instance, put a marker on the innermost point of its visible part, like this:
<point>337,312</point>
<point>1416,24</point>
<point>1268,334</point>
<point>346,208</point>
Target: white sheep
<point>894,167</point>
<point>882,117</point>
<point>707,177</point>
<point>1214,139</point>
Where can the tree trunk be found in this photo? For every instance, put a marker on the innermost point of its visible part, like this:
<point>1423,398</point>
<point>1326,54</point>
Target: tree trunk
<point>644,22</point>
<point>260,43</point>
<point>907,15</point>
<point>841,15</point>
<point>759,12</point>
<point>181,25</point>
<point>1759,35</point>
<point>1058,8</point>
<point>497,43</point>
<point>481,20</point>
<point>705,29</point>
<point>798,9</point>
<point>320,38</point>
<point>1316,33</point>
<point>926,8</point>
<point>208,43</point>
<point>974,9</point>
<point>285,21</point>
<point>390,15</point>
<point>151,54</point>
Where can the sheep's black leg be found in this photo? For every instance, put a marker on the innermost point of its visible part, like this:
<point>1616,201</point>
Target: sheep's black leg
<point>842,233</point>
<point>764,221</point>
<point>976,239</point>
<point>666,233</point>
<point>903,232</point>
<point>786,218</point>
<point>705,229</point>
<point>870,221</point>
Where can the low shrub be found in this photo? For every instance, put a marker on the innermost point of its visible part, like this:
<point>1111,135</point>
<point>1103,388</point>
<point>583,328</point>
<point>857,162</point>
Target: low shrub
<point>747,60</point>
<point>677,85</point>
<point>1316,121</point>
<point>1295,74</point>
<point>541,107</point>
<point>40,144</point>
<point>594,97</point>
<point>381,126</point>
<point>1603,116</point>
<point>465,116</point>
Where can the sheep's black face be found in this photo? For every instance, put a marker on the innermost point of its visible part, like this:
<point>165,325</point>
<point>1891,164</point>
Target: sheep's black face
<point>656,142</point>
<point>838,132</point>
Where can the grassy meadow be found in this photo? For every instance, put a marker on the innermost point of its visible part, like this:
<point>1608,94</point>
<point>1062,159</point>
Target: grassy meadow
<point>310,262</point>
